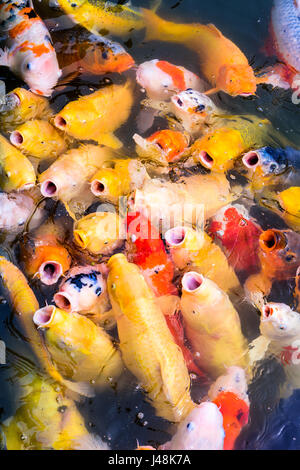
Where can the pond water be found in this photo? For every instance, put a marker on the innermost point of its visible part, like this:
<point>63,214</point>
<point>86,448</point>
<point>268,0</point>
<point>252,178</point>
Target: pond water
<point>121,416</point>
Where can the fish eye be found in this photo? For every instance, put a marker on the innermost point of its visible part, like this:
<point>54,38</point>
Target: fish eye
<point>273,167</point>
<point>104,55</point>
<point>28,66</point>
<point>290,257</point>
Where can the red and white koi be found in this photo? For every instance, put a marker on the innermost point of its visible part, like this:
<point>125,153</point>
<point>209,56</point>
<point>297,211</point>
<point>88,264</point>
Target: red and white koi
<point>161,79</point>
<point>29,51</point>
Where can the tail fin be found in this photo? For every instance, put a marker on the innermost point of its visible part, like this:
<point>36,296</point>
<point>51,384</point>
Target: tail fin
<point>158,29</point>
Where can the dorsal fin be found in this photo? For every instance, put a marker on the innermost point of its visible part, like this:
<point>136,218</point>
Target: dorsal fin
<point>214,29</point>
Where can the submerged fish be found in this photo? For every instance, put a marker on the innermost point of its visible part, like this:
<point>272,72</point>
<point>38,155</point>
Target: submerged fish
<point>125,175</point>
<point>162,147</point>
<point>229,393</point>
<point>212,325</point>
<point>202,429</point>
<point>222,63</point>
<point>16,209</point>
<point>81,350</point>
<point>47,420</point>
<point>29,51</point>
<point>104,17</point>
<point>39,139</point>
<point>98,115</point>
<point>16,171</point>
<point>100,233</point>
<point>43,254</point>
<point>90,53</point>
<point>191,249</point>
<point>146,343</point>
<point>161,79</point>
<point>23,106</point>
<point>238,234</point>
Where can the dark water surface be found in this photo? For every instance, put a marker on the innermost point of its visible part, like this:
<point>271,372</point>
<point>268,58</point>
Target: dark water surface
<point>121,416</point>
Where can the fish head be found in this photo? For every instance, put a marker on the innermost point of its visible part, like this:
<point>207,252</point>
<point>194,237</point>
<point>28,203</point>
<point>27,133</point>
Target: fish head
<point>279,322</point>
<point>40,72</point>
<point>280,253</point>
<point>267,161</point>
<point>234,381</point>
<point>201,430</point>
<point>171,143</point>
<point>237,80</point>
<point>106,57</point>
<point>217,150</point>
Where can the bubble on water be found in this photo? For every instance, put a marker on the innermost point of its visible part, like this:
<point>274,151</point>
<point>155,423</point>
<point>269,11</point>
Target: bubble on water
<point>193,376</point>
<point>23,437</point>
<point>140,415</point>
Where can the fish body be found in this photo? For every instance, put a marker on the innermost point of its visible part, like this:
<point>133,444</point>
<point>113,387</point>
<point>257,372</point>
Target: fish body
<point>229,393</point>
<point>238,235</point>
<point>162,147</point>
<point>16,171</point>
<point>24,106</point>
<point>43,254</point>
<point>110,184</point>
<point>190,201</point>
<point>98,115</point>
<point>81,350</point>
<point>90,53</point>
<point>47,420</point>
<point>191,249</point>
<point>202,429</point>
<point>146,343</point>
<point>101,17</point>
<point>83,290</point>
<point>29,51</point>
<point>212,325</point>
<point>289,201</point>
<point>161,79</point>
<point>285,31</point>
<point>145,248</point>
<point>222,63</point>
<point>100,233</point>
<point>39,139</point>
<point>69,175</point>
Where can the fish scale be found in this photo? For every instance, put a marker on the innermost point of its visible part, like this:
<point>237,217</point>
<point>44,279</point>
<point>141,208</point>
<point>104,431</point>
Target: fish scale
<point>286,31</point>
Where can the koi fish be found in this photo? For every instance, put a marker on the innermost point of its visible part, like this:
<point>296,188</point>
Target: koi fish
<point>212,325</point>
<point>193,111</point>
<point>231,137</point>
<point>280,338</point>
<point>67,179</point>
<point>29,51</point>
<point>90,53</point>
<point>284,42</point>
<point>98,115</point>
<point>38,139</point>
<point>238,235</point>
<point>47,419</point>
<point>81,350</point>
<point>191,249</point>
<point>279,255</point>
<point>162,147</point>
<point>23,106</point>
<point>25,304</point>
<point>202,429</point>
<point>105,17</point>
<point>147,346</point>
<point>110,184</point>
<point>270,168</point>
<point>99,233</point>
<point>229,393</point>
<point>84,291</point>
<point>42,253</point>
<point>222,63</point>
<point>17,172</point>
<point>171,204</point>
<point>145,248</point>
<point>16,209</point>
<point>161,79</point>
